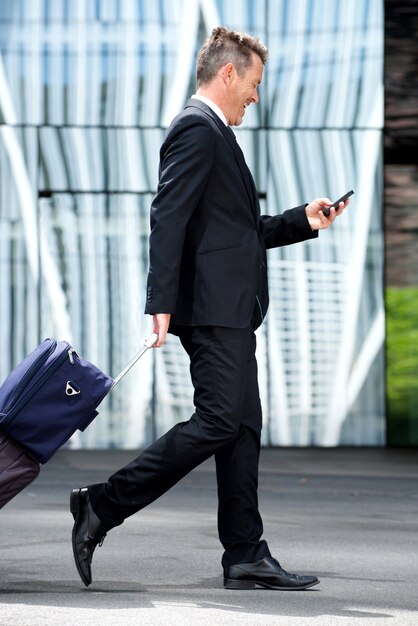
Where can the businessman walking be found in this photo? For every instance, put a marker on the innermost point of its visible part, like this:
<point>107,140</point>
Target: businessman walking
<point>207,283</point>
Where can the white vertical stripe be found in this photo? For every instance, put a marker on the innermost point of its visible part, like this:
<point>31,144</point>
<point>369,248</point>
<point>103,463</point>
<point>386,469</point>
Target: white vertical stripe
<point>368,155</point>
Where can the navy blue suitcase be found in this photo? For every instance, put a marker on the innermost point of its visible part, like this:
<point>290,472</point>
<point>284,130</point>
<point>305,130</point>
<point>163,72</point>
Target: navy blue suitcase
<point>52,393</point>
<point>48,396</point>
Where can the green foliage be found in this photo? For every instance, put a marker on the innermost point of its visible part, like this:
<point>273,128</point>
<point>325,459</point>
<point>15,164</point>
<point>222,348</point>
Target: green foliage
<point>402,365</point>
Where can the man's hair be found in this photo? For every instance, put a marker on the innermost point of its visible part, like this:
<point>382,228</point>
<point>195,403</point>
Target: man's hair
<point>227,46</point>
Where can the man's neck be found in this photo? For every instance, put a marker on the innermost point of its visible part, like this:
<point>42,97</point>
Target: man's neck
<point>217,108</point>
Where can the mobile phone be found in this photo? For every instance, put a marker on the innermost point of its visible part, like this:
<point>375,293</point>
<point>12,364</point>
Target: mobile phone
<point>336,204</point>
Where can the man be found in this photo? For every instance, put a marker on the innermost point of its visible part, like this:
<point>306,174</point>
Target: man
<point>207,284</point>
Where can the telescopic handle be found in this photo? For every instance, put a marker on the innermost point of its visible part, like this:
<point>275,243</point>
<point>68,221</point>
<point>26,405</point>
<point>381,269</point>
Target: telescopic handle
<point>148,343</point>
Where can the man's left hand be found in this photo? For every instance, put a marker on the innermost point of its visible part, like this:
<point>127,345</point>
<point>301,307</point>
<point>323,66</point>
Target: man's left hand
<point>317,219</point>
<point>161,324</point>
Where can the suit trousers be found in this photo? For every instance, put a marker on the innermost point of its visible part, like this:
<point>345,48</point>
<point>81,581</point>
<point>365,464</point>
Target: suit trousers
<point>226,422</point>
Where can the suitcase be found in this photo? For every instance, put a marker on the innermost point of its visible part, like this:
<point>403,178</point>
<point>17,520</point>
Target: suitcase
<point>17,469</point>
<point>52,393</point>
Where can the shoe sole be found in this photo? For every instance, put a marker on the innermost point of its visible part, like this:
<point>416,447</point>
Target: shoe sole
<point>231,583</point>
<point>75,510</point>
<point>74,503</point>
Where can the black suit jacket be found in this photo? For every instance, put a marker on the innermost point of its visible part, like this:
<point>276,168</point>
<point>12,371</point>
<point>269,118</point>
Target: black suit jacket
<point>208,241</point>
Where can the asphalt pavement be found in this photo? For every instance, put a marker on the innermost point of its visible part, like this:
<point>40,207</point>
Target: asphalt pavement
<point>350,516</point>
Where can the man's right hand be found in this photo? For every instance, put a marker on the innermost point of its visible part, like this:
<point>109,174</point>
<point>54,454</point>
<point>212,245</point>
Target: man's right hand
<point>161,324</point>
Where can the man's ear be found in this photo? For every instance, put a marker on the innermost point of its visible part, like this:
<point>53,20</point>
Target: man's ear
<point>227,72</point>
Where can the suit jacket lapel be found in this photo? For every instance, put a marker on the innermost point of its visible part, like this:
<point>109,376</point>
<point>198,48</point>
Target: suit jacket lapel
<point>245,172</point>
<point>230,136</point>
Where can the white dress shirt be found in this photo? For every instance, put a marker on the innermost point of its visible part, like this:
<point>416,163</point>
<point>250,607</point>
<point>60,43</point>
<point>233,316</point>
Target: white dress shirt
<point>213,106</point>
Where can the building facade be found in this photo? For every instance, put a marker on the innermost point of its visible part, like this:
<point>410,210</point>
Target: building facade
<point>87,90</point>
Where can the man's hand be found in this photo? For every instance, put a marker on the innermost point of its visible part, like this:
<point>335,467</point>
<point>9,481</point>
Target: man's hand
<point>317,219</point>
<point>161,324</point>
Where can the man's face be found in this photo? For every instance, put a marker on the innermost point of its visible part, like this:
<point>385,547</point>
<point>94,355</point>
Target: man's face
<point>242,91</point>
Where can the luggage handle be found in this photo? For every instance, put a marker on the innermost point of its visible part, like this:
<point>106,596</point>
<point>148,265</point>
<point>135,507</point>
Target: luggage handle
<point>148,343</point>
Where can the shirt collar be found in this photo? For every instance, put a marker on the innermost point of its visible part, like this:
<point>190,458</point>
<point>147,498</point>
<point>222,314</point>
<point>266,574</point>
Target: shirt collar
<point>213,106</point>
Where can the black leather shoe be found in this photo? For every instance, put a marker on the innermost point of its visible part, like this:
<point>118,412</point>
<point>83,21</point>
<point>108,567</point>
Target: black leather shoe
<point>266,572</point>
<point>88,531</point>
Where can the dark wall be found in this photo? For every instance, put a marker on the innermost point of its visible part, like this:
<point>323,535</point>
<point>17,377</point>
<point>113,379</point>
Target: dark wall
<point>401,81</point>
<point>401,219</point>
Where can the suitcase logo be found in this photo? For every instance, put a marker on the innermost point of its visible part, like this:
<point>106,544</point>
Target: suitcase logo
<point>71,389</point>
